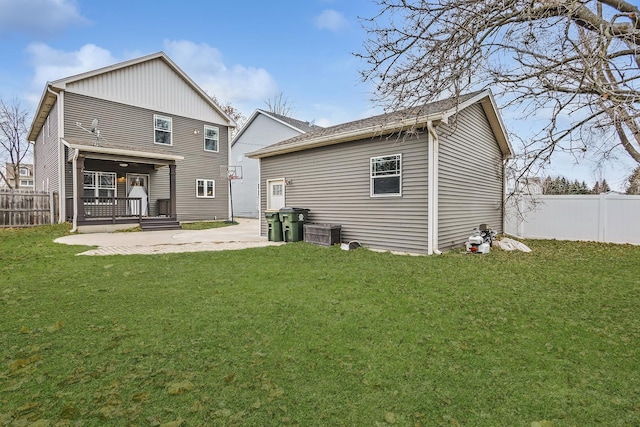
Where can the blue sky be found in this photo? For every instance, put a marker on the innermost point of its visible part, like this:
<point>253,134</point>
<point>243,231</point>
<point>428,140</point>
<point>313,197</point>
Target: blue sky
<point>242,51</point>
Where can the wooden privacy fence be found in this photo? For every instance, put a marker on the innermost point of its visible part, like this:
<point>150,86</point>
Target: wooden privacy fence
<point>19,208</point>
<point>611,218</point>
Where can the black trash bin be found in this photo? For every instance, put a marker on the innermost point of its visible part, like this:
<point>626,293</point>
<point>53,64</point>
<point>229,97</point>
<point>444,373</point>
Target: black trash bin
<point>274,226</point>
<point>293,220</point>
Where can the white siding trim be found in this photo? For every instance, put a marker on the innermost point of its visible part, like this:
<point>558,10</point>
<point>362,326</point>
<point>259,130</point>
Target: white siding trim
<point>432,185</point>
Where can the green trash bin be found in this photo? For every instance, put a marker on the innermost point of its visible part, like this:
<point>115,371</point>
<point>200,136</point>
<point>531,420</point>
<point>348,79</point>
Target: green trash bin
<point>274,226</point>
<point>293,220</point>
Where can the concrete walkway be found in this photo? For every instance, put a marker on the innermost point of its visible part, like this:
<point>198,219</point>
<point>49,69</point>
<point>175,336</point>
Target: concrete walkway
<point>241,236</point>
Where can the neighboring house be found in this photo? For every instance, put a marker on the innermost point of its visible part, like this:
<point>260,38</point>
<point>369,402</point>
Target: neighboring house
<point>261,130</point>
<point>142,122</point>
<point>24,178</point>
<point>416,181</point>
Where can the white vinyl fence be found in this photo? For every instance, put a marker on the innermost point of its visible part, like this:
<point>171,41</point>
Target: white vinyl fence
<point>611,218</point>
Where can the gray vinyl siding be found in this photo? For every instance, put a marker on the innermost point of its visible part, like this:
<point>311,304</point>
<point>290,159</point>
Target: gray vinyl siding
<point>46,154</point>
<point>150,84</point>
<point>333,182</point>
<point>470,178</point>
<point>133,126</point>
<point>263,131</point>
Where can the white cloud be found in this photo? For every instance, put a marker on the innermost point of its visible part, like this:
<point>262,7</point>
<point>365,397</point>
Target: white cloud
<point>236,84</point>
<point>243,87</point>
<point>331,20</point>
<point>38,16</point>
<point>50,64</point>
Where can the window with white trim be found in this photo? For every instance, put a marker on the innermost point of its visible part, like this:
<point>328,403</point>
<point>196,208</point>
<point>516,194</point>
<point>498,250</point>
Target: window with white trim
<point>386,176</point>
<point>205,188</point>
<point>162,128</point>
<point>211,138</point>
<point>99,184</point>
<point>26,182</point>
<point>24,172</point>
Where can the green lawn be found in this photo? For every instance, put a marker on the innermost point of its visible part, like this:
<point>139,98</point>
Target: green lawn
<point>314,336</point>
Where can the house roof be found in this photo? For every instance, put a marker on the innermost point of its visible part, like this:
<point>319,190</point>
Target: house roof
<point>295,124</point>
<point>384,124</point>
<point>48,99</point>
<point>88,145</point>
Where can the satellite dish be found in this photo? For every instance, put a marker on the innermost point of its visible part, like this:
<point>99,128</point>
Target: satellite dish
<point>94,125</point>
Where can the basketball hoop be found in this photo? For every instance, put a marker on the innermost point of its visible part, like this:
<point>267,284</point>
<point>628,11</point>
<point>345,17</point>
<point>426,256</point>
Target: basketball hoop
<point>231,172</point>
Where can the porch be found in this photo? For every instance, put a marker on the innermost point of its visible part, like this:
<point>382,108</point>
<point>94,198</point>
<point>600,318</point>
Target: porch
<point>114,187</point>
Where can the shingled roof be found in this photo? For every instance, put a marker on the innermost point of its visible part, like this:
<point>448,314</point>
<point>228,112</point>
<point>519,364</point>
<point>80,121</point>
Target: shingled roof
<point>298,125</point>
<point>438,111</point>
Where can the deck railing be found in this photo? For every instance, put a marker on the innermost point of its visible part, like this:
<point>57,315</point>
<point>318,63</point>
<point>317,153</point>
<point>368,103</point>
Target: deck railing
<point>107,208</point>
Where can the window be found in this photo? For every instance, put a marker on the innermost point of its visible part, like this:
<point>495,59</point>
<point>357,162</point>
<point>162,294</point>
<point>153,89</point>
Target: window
<point>24,172</point>
<point>386,173</point>
<point>211,138</point>
<point>99,184</point>
<point>205,188</point>
<point>26,182</point>
<point>162,127</point>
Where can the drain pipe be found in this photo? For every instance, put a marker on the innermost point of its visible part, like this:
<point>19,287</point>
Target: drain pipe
<point>432,227</point>
<point>74,176</point>
<point>61,192</point>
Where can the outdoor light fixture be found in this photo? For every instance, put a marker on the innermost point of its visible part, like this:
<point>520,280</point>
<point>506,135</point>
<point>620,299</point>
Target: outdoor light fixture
<point>196,131</point>
<point>124,165</point>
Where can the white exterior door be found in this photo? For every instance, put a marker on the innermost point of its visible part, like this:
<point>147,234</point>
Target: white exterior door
<point>275,194</point>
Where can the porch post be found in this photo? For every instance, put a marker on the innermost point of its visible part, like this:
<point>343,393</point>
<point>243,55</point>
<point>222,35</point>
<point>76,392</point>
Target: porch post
<point>79,188</point>
<point>172,191</point>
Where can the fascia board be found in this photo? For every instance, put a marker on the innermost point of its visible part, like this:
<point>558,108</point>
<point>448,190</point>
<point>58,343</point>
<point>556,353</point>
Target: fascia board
<point>347,136</point>
<point>122,152</point>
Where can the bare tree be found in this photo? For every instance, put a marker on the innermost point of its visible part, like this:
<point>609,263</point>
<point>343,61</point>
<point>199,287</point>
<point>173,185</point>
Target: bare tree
<point>279,104</point>
<point>13,142</point>
<point>231,111</point>
<point>575,63</point>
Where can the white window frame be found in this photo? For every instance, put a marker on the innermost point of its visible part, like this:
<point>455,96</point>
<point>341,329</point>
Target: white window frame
<point>24,171</point>
<point>217,130</point>
<point>26,182</point>
<point>96,184</point>
<point>205,185</point>
<point>157,129</point>
<point>377,175</point>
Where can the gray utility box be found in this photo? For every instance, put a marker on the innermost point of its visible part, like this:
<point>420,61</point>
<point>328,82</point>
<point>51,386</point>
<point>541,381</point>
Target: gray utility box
<point>322,234</point>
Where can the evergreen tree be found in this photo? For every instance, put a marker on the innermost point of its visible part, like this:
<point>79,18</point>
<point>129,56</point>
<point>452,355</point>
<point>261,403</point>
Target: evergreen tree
<point>633,186</point>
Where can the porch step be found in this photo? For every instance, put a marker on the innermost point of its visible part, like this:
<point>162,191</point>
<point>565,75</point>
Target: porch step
<point>155,224</point>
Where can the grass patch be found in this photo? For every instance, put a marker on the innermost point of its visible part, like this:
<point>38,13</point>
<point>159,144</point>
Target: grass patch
<point>206,225</point>
<point>305,335</point>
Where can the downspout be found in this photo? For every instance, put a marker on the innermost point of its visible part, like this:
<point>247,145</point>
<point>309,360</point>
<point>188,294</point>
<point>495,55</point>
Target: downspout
<point>74,227</point>
<point>229,202</point>
<point>61,188</point>
<point>505,161</point>
<point>432,210</point>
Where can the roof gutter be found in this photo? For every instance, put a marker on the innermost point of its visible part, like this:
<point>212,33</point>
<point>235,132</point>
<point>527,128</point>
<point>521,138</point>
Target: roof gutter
<point>337,138</point>
<point>123,152</point>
